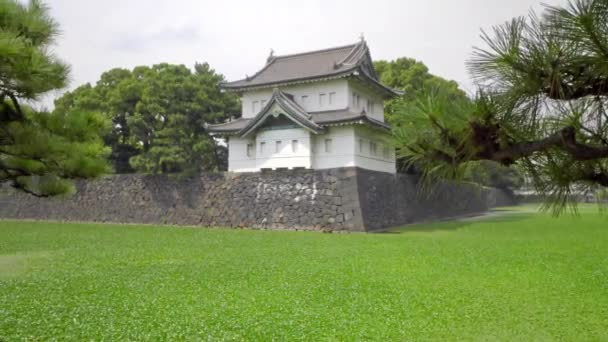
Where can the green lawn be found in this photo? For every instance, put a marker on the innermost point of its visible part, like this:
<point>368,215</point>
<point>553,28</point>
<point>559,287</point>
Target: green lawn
<point>517,277</point>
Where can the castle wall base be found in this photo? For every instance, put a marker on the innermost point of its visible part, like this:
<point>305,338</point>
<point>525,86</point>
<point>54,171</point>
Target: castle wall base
<point>344,199</point>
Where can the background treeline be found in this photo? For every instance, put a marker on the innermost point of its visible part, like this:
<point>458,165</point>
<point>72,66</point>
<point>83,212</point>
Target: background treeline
<point>158,115</point>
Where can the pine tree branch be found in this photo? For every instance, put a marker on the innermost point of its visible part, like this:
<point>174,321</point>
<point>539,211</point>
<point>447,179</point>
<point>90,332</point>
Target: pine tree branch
<point>565,140</point>
<point>600,178</point>
<point>19,114</point>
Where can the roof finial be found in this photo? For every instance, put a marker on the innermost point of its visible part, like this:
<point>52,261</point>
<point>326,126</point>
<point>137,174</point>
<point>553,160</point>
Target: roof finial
<point>270,57</point>
<point>362,37</point>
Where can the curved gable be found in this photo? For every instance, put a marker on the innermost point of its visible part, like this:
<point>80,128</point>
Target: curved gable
<point>281,104</point>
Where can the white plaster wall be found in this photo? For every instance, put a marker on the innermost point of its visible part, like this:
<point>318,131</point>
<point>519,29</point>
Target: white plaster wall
<point>365,96</point>
<point>313,90</point>
<point>342,151</point>
<point>285,157</point>
<point>350,146</point>
<point>238,160</point>
<point>248,98</point>
<point>365,158</point>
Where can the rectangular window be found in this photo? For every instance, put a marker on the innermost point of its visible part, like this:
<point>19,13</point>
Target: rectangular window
<point>254,107</point>
<point>328,146</point>
<point>354,99</point>
<point>294,146</point>
<point>277,148</point>
<point>249,150</point>
<point>371,104</point>
<point>386,152</point>
<point>322,99</point>
<point>372,148</point>
<point>262,147</point>
<point>360,145</point>
<point>262,104</point>
<point>304,100</point>
<point>357,102</point>
<point>332,98</point>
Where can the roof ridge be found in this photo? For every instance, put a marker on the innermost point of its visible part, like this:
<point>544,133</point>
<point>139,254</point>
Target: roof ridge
<point>315,51</point>
<point>273,59</point>
<point>357,49</point>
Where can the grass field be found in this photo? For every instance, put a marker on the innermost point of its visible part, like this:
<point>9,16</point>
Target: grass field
<point>516,277</point>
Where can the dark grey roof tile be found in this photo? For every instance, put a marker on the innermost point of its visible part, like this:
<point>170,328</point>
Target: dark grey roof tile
<point>307,65</point>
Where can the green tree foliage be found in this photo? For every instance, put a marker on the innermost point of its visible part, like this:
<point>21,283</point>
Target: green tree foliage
<point>158,115</point>
<point>413,78</point>
<point>541,105</point>
<point>40,152</point>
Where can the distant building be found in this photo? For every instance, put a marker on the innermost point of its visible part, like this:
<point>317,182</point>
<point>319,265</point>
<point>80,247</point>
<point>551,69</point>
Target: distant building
<point>316,110</point>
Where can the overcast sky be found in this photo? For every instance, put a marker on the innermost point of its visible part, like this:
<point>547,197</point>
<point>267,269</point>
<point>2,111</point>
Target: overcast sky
<point>235,37</point>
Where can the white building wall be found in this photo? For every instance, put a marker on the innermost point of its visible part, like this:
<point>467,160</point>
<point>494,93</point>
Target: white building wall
<point>340,153</point>
<point>336,89</point>
<point>347,146</point>
<point>238,161</point>
<point>372,103</point>
<point>283,148</point>
<point>381,158</point>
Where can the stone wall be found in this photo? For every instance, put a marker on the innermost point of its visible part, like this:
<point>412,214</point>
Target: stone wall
<point>347,199</point>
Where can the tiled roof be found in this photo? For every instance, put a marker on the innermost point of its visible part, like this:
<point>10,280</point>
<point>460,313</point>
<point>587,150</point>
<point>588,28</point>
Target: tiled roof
<point>233,126</point>
<point>314,122</point>
<point>349,60</point>
<point>345,116</point>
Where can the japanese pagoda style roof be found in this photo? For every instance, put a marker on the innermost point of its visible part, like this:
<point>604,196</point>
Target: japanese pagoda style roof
<point>289,107</point>
<point>337,117</point>
<point>344,61</point>
<point>315,122</point>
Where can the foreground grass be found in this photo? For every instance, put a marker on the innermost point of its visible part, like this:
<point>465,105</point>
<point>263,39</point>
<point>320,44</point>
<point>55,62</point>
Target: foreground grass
<point>522,277</point>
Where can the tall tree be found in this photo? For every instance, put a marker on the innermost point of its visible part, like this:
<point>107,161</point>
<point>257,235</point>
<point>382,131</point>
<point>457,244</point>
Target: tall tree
<point>413,78</point>
<point>40,152</point>
<point>541,106</point>
<point>158,116</point>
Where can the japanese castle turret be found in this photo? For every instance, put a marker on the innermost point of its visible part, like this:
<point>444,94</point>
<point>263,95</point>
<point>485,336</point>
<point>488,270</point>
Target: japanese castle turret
<point>316,110</point>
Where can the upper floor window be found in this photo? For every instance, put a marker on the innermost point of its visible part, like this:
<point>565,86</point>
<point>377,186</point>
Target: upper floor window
<point>332,98</point>
<point>328,147</point>
<point>372,148</point>
<point>262,104</point>
<point>356,100</point>
<point>254,107</point>
<point>360,145</point>
<point>322,99</point>
<point>262,147</point>
<point>249,150</point>
<point>294,146</point>
<point>370,107</point>
<point>386,152</point>
<point>277,148</point>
